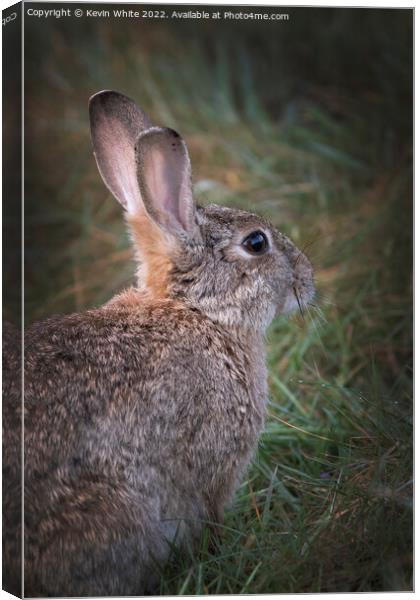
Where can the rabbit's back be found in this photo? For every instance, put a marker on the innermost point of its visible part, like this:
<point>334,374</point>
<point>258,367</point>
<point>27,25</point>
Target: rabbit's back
<point>12,455</point>
<point>162,368</point>
<point>129,411</point>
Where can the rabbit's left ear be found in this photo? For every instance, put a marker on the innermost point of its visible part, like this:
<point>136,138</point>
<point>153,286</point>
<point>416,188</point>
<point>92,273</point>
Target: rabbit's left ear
<point>164,178</point>
<point>116,122</point>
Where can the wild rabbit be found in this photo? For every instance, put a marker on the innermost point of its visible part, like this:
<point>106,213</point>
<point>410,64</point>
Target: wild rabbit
<point>142,415</point>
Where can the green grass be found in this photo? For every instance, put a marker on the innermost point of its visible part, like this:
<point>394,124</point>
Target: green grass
<point>319,143</point>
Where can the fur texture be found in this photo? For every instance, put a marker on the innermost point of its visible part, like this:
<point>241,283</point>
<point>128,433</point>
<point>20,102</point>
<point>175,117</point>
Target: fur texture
<point>12,459</point>
<point>142,415</point>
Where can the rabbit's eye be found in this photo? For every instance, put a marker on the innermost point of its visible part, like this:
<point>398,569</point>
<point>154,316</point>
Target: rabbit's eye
<point>256,242</point>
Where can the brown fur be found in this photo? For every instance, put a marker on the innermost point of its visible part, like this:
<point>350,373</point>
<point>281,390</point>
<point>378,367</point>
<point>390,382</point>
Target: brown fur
<point>153,252</point>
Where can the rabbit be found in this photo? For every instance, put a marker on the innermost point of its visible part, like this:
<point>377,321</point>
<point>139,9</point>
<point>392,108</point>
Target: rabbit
<point>141,416</point>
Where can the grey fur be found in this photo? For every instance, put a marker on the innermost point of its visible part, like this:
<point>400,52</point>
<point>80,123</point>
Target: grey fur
<point>12,459</point>
<point>141,416</point>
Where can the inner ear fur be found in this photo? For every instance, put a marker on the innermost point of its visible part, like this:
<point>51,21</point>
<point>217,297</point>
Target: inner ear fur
<point>164,178</point>
<point>116,122</point>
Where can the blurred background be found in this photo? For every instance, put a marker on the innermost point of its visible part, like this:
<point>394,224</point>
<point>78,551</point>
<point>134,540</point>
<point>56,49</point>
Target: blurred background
<point>309,123</point>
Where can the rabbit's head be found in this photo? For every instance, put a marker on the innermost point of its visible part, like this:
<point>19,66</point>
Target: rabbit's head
<point>231,264</point>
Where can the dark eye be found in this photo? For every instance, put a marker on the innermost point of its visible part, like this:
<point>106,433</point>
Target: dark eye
<point>256,242</point>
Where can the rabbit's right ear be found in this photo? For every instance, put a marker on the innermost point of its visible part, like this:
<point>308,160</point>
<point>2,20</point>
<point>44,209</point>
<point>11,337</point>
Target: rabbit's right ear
<point>164,176</point>
<point>116,122</point>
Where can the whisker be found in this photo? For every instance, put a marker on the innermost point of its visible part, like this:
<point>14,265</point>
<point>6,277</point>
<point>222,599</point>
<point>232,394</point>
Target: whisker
<point>298,301</point>
<point>320,313</point>
<point>308,245</point>
<point>318,310</point>
<point>324,299</point>
<point>318,334</point>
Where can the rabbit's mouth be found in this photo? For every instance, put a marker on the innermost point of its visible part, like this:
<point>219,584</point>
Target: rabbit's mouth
<point>298,298</point>
<point>302,288</point>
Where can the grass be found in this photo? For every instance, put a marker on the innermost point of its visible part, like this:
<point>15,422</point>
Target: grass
<point>321,145</point>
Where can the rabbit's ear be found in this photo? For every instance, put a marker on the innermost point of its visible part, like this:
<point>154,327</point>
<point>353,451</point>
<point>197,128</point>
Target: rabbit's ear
<point>116,122</point>
<point>164,177</point>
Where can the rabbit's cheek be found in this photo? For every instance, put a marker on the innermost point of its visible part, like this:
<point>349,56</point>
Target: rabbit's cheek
<point>286,301</point>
